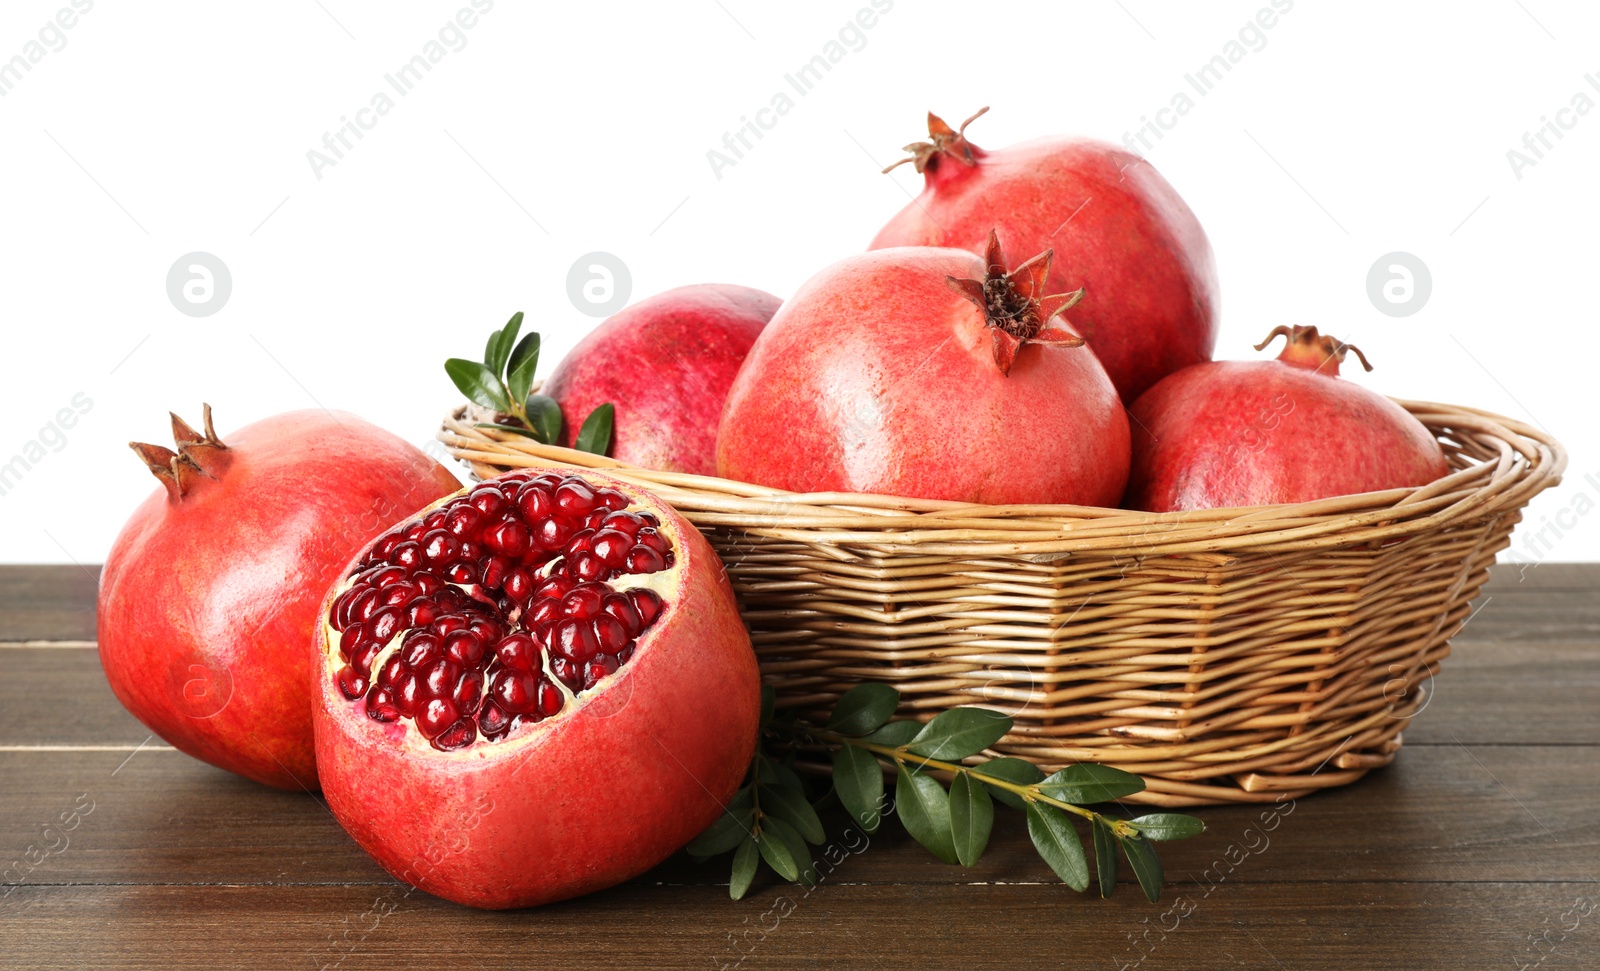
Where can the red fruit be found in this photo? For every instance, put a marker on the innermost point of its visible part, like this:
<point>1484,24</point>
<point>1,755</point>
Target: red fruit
<point>564,758</point>
<point>210,594</point>
<point>666,364</point>
<point>1118,229</point>
<point>1246,433</point>
<point>885,373</point>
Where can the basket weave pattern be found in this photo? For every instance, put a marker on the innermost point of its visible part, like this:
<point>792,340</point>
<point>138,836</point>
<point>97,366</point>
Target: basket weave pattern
<point>1240,655</point>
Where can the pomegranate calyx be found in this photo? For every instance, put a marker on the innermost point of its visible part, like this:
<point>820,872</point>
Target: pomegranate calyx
<point>195,458</point>
<point>942,140</point>
<point>1016,309</point>
<point>1306,348</point>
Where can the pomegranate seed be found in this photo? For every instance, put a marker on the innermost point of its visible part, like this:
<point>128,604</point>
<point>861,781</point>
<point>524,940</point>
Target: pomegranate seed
<point>647,604</point>
<point>589,568</point>
<point>568,672</point>
<point>421,648</point>
<point>380,552</point>
<point>439,678</point>
<point>516,692</point>
<point>535,502</point>
<point>623,522</point>
<point>574,498</point>
<point>620,607</point>
<point>438,546</point>
<point>551,534</point>
<point>351,684</point>
<point>594,519</point>
<point>392,671</point>
<point>611,546</point>
<point>408,695</point>
<point>399,594</point>
<point>339,617</point>
<point>582,541</point>
<point>362,659</point>
<point>550,700</point>
<point>350,639</point>
<point>435,519</point>
<point>573,639</point>
<point>461,572</point>
<point>388,575</point>
<point>464,648</point>
<point>648,536</point>
<point>436,716</point>
<point>457,736</point>
<point>643,559</point>
<point>494,572</point>
<point>429,584</point>
<point>493,720</point>
<point>609,634</point>
<point>381,706</point>
<point>462,521</point>
<point>364,604</point>
<point>487,499</point>
<point>421,613</point>
<point>557,587</point>
<point>384,624</point>
<point>545,612</point>
<point>624,654</point>
<point>549,479</point>
<point>518,653</point>
<point>509,537</point>
<point>519,585</point>
<point>449,624</point>
<point>487,630</point>
<point>611,499</point>
<point>597,669</point>
<point>584,601</point>
<point>468,693</point>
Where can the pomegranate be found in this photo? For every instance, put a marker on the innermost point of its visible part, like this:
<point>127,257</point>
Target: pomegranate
<point>927,372</point>
<point>210,594</point>
<point>1245,433</point>
<point>1117,227</point>
<point>666,363</point>
<point>535,689</point>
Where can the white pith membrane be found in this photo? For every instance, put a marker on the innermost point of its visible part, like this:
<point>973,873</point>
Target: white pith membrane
<point>512,615</point>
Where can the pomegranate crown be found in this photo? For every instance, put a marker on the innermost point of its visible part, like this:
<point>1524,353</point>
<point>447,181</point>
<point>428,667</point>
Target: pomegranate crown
<point>197,456</point>
<point>1306,348</point>
<point>1015,309</point>
<point>942,140</point>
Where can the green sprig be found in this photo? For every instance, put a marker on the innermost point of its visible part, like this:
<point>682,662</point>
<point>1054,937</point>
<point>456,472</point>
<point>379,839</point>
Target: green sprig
<point>503,381</point>
<point>771,819</point>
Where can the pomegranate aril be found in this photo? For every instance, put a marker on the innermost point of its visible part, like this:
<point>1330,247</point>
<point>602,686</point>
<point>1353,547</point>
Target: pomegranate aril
<point>384,624</point>
<point>439,546</point>
<point>493,720</point>
<point>399,594</point>
<point>643,559</point>
<point>380,552</point>
<point>574,498</point>
<point>381,706</point>
<point>462,521</point>
<point>625,654</point>
<point>584,601</point>
<point>362,659</point>
<point>557,587</point>
<point>550,700</point>
<point>339,617</point>
<point>573,639</point>
<point>623,522</point>
<point>609,634</point>
<point>551,533</point>
<point>647,604</point>
<point>494,571</point>
<point>618,606</point>
<point>449,623</point>
<point>461,572</point>
<point>408,696</point>
<point>465,648</point>
<point>589,568</point>
<point>515,691</point>
<point>518,652</point>
<point>457,736</point>
<point>421,648</point>
<point>364,603</point>
<point>468,694</point>
<point>610,499</point>
<point>649,536</point>
<point>594,519</point>
<point>519,585</point>
<point>598,668</point>
<point>421,613</point>
<point>439,678</point>
<point>351,684</point>
<point>535,502</point>
<point>487,499</point>
<point>407,555</point>
<point>612,546</point>
<point>544,612</point>
<point>581,542</point>
<point>435,519</point>
<point>350,640</point>
<point>569,673</point>
<point>392,671</point>
<point>436,715</point>
<point>388,575</point>
<point>509,537</point>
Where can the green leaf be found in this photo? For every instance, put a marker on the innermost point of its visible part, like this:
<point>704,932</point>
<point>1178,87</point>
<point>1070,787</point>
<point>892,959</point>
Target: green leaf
<point>796,845</point>
<point>896,734</point>
<point>478,383</point>
<point>769,698</point>
<point>505,338</point>
<point>971,818</point>
<point>1146,866</point>
<point>744,869</point>
<point>507,428</point>
<point>1086,783</point>
<point>1019,771</point>
<point>863,709</point>
<point>1105,856</point>
<point>1167,826</point>
<point>924,809</point>
<point>858,780</point>
<point>595,435</point>
<point>544,417</point>
<point>727,832</point>
<point>1057,841</point>
<point>489,350</point>
<point>960,732</point>
<point>524,361</point>
<point>776,852</point>
<point>774,773</point>
<point>794,809</point>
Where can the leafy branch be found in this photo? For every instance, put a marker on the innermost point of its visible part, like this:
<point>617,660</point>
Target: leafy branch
<point>771,818</point>
<point>504,382</point>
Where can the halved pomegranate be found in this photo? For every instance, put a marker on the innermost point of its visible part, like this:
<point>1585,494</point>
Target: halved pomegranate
<point>536,688</point>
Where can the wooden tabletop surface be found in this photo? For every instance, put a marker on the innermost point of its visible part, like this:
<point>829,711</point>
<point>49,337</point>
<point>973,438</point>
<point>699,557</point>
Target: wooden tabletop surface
<point>1478,848</point>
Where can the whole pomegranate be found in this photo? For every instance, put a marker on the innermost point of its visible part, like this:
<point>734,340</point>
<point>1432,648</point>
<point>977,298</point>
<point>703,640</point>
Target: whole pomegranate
<point>1245,433</point>
<point>930,373</point>
<point>210,593</point>
<point>666,363</point>
<point>1117,227</point>
<point>537,688</point>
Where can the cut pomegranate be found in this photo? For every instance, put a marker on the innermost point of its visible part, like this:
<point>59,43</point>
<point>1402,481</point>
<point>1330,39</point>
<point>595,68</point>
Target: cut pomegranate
<point>565,644</point>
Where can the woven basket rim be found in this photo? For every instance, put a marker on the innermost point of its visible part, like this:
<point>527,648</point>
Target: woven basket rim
<point>1499,464</point>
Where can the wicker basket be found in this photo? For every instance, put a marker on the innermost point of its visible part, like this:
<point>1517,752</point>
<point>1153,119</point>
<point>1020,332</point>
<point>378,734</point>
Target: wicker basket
<point>1237,655</point>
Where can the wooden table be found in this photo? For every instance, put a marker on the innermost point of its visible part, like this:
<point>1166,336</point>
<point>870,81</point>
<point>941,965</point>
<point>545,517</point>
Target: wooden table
<point>1478,848</point>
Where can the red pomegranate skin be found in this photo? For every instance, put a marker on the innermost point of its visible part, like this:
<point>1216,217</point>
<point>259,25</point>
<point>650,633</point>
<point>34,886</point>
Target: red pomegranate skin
<point>207,602</point>
<point>878,377</point>
<point>1118,229</point>
<point>614,784</point>
<point>665,363</point>
<point>1246,433</point>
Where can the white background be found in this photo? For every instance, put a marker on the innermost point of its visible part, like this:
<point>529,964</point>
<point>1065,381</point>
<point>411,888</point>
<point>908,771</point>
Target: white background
<point>560,129</point>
